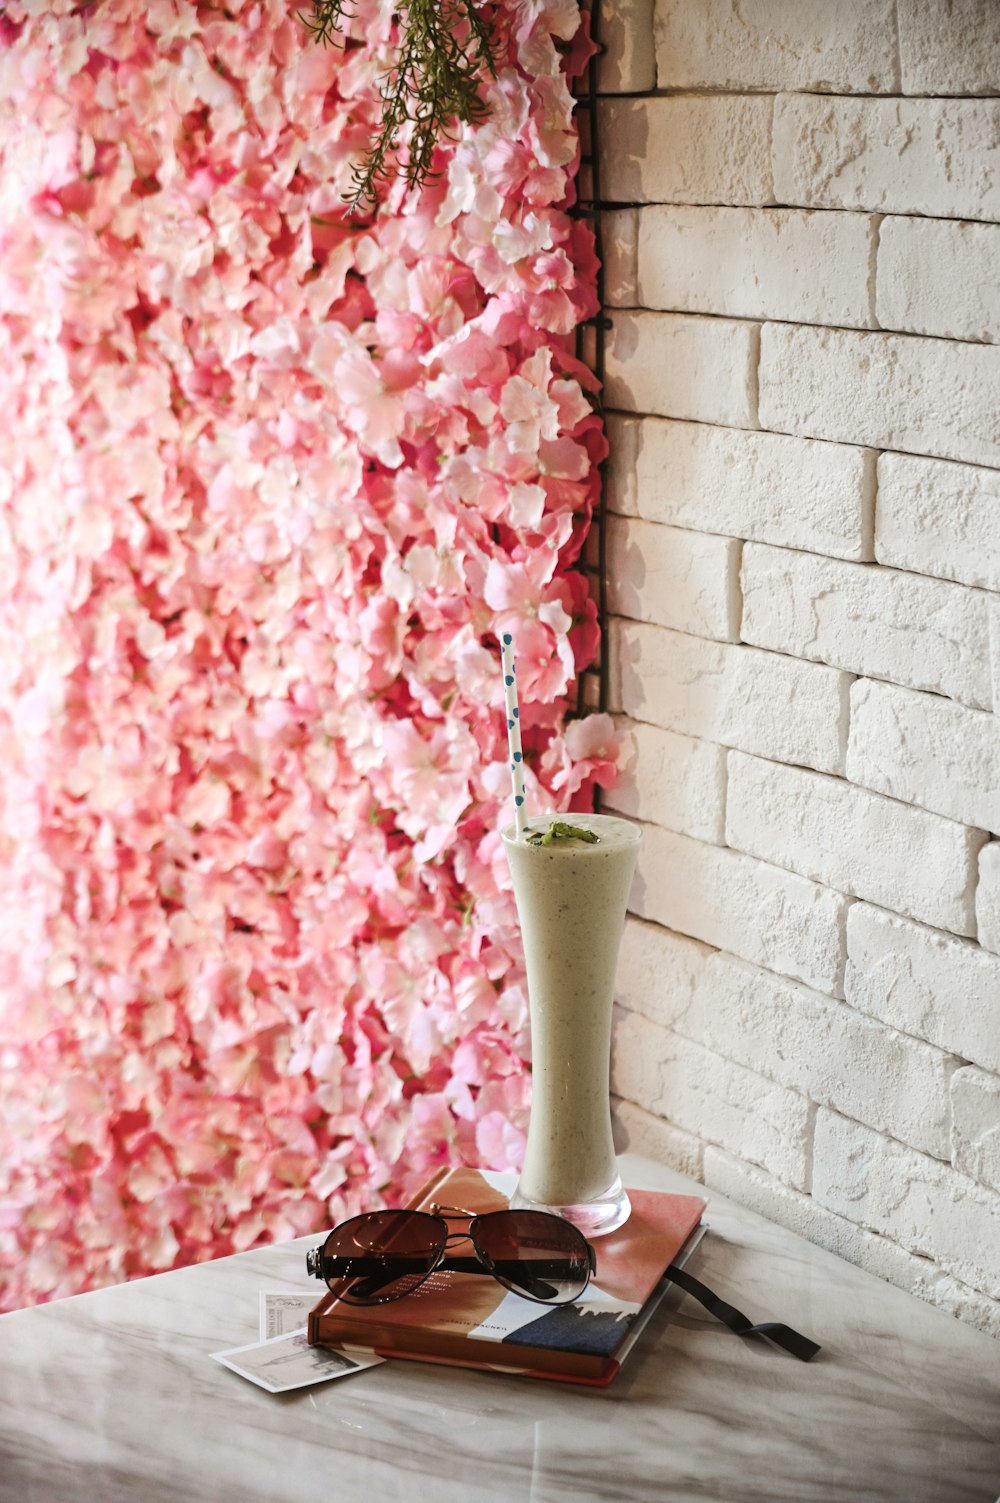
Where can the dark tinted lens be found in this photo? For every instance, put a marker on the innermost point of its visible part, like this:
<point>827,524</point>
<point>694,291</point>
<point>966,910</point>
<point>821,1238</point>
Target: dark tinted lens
<point>382,1256</point>
<point>535,1254</point>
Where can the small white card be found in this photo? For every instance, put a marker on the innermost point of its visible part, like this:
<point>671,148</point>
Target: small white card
<point>284,1311</point>
<point>288,1361</point>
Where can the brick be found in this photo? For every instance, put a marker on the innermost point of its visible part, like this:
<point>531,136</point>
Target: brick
<point>957,1299</point>
<point>937,518</point>
<point>628,62</point>
<point>988,902</point>
<point>949,46</point>
<point>854,841</point>
<point>679,366</point>
<point>939,157</point>
<point>623,451</point>
<point>889,391</point>
<point>688,581</point>
<point>638,1131</point>
<point>826,1050</point>
<point>778,707</point>
<point>922,633</point>
<point>976,1130</point>
<point>936,276</point>
<point>756,911</point>
<point>922,1204</point>
<point>688,149</point>
<point>672,780</point>
<point>849,48</point>
<point>762,702</point>
<point>710,1097</point>
<point>943,990</point>
<point>925,750</point>
<point>768,1197</point>
<point>588,346</point>
<point>658,972</point>
<point>993,628</point>
<point>795,492</point>
<point>591,689</point>
<point>620,245</point>
<point>666,678</point>
<point>800,265</point>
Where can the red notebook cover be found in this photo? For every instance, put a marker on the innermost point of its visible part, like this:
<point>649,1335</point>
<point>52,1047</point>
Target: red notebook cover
<point>470,1320</point>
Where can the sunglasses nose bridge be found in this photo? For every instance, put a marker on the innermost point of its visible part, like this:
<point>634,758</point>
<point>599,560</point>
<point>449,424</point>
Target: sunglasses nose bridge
<point>467,1236</point>
<point>481,1252</point>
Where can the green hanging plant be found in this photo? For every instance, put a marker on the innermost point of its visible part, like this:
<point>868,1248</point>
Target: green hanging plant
<point>445,46</point>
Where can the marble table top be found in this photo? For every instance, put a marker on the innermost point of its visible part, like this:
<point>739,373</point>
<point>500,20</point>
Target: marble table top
<point>111,1397</point>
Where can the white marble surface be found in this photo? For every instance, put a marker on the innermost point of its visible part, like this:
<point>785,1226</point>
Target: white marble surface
<point>112,1396</point>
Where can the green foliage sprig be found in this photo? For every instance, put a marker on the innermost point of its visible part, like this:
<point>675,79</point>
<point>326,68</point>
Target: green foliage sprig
<point>444,48</point>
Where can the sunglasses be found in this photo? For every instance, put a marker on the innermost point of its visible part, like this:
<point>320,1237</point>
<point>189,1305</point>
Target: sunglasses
<point>379,1257</point>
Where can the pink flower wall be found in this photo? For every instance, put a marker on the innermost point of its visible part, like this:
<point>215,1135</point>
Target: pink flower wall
<point>271,479</point>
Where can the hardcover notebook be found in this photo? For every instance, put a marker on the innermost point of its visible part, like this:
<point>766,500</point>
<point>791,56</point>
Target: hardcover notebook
<point>469,1320</point>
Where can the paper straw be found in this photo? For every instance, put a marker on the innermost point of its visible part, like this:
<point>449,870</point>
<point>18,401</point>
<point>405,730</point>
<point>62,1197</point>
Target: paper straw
<point>513,731</point>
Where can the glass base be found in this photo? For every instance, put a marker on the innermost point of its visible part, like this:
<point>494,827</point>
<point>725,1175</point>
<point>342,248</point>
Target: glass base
<point>594,1218</point>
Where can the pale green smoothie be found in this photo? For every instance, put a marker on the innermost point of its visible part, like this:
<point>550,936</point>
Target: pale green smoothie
<point>571,898</point>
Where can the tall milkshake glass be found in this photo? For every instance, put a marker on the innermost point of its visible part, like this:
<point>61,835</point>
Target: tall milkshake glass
<point>571,897</point>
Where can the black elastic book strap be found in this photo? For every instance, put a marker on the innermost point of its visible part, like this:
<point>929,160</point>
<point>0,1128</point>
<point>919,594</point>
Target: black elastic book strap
<point>783,1336</point>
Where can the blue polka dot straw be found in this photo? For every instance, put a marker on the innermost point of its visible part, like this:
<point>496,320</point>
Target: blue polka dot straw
<point>513,731</point>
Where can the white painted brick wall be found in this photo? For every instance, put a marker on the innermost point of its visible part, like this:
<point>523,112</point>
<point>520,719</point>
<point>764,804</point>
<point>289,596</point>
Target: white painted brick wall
<point>763,702</point>
<point>922,633</point>
<point>689,581</point>
<point>639,1131</point>
<point>949,46</point>
<point>846,48</point>
<point>793,264</point>
<point>854,841</point>
<point>826,1050</point>
<point>926,750</point>
<point>898,156</point>
<point>627,64</point>
<point>892,391</point>
<point>988,898</point>
<point>805,369</point>
<point>936,276</point>
<point>711,1097</point>
<point>620,470</point>
<point>778,707</point>
<point>748,907</point>
<point>679,782</point>
<point>687,149</point>
<point>666,677</point>
<point>678,366</point>
<point>620,244</point>
<point>754,1187</point>
<point>925,983</point>
<point>993,620</point>
<point>929,1208</point>
<point>976,1128</point>
<point>658,973</point>
<point>937,518</point>
<point>795,492</point>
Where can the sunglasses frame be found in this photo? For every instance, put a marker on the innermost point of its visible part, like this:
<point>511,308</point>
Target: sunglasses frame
<point>482,1263</point>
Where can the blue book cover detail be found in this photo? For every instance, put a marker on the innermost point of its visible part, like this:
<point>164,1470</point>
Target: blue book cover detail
<point>598,1333</point>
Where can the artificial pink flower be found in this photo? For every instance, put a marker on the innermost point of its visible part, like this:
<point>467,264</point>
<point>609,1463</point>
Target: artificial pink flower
<point>271,481</point>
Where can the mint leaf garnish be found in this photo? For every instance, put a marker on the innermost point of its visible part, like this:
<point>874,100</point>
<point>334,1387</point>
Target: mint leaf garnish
<point>560,830</point>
